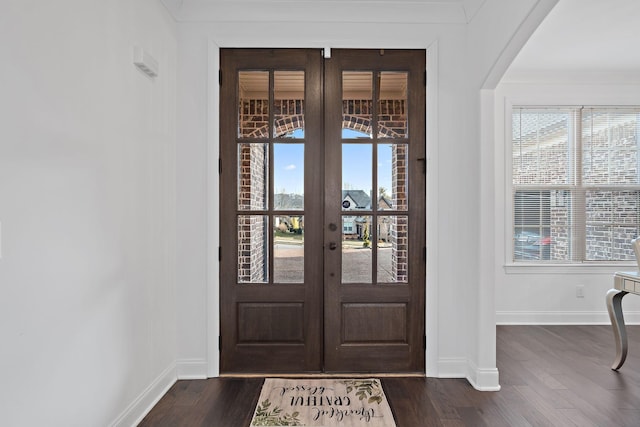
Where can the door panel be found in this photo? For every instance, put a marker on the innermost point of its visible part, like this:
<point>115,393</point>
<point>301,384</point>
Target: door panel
<point>365,323</point>
<point>322,217</point>
<point>271,157</point>
<point>375,142</point>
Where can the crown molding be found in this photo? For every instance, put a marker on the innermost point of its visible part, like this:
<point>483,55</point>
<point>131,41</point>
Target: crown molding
<point>346,11</point>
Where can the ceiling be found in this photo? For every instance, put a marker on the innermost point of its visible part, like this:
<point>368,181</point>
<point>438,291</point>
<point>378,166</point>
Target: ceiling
<point>400,11</point>
<point>588,36</point>
<point>578,36</point>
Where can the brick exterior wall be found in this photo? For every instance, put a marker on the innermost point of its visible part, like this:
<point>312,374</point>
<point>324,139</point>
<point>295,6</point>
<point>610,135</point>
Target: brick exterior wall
<point>392,118</point>
<point>612,223</point>
<point>289,116</point>
<point>357,115</point>
<point>399,225</point>
<point>252,229</point>
<point>400,248</point>
<point>560,220</point>
<point>254,117</point>
<point>252,250</point>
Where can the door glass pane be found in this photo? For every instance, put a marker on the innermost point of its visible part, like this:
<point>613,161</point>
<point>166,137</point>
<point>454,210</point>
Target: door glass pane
<point>392,105</point>
<point>288,249</point>
<point>253,114</point>
<point>357,180</point>
<point>288,176</point>
<point>392,176</point>
<point>357,98</point>
<point>253,253</point>
<point>393,261</point>
<point>288,111</point>
<point>356,249</point>
<point>253,176</point>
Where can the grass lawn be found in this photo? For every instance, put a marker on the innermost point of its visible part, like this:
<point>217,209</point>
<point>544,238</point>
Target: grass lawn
<point>285,235</point>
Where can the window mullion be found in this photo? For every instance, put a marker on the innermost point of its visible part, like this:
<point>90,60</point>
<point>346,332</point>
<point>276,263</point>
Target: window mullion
<point>578,202</point>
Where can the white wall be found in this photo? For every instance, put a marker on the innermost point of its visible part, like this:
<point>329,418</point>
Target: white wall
<point>455,79</point>
<point>488,58</point>
<point>548,294</point>
<point>87,207</point>
<point>196,221</point>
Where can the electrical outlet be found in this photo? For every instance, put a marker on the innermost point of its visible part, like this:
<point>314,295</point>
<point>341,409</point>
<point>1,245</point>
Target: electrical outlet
<point>579,291</point>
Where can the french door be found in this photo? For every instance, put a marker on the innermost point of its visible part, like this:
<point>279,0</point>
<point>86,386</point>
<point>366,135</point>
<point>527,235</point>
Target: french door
<point>322,225</point>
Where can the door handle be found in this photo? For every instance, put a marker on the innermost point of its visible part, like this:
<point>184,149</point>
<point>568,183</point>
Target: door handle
<point>333,246</point>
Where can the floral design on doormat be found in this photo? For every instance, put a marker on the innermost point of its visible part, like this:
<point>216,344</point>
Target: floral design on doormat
<point>364,389</point>
<point>274,417</point>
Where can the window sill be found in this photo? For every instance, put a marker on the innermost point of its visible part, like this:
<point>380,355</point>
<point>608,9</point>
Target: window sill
<point>590,268</point>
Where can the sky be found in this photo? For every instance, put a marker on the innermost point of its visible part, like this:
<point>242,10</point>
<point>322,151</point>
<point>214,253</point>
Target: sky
<point>288,163</point>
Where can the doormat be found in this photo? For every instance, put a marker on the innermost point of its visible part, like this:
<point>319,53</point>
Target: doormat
<point>322,403</point>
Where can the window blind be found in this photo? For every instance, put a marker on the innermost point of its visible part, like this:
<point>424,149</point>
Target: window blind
<point>575,183</point>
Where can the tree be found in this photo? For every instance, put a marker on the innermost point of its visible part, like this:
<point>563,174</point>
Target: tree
<point>366,240</point>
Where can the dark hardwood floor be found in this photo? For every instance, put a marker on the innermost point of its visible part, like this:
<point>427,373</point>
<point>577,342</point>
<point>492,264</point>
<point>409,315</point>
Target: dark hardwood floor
<point>550,376</point>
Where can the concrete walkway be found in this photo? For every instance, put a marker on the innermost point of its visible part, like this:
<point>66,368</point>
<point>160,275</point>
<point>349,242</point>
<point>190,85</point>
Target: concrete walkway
<point>288,264</point>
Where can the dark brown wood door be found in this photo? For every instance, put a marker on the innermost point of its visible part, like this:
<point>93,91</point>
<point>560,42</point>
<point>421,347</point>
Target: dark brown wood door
<point>374,290</point>
<point>271,210</point>
<point>322,216</point>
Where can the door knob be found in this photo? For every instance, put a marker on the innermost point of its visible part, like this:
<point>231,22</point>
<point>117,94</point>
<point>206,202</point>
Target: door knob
<point>332,246</point>
<point>333,227</point>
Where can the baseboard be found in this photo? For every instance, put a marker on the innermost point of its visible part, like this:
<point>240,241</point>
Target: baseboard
<point>141,406</point>
<point>460,367</point>
<point>562,318</point>
<point>452,367</point>
<point>483,379</point>
<point>191,369</point>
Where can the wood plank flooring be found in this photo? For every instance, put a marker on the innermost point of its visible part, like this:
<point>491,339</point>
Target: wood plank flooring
<point>550,376</point>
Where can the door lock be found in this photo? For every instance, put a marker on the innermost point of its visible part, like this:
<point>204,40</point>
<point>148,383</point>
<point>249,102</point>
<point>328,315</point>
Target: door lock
<point>333,246</point>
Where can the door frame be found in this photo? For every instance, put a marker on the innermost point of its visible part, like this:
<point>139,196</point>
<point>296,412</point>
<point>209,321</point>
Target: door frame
<point>212,309</point>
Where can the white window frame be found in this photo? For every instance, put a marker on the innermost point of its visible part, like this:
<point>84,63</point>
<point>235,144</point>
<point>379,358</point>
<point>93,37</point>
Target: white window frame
<point>568,267</point>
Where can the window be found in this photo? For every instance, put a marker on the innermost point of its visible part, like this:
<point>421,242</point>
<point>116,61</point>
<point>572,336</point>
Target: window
<point>575,183</point>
